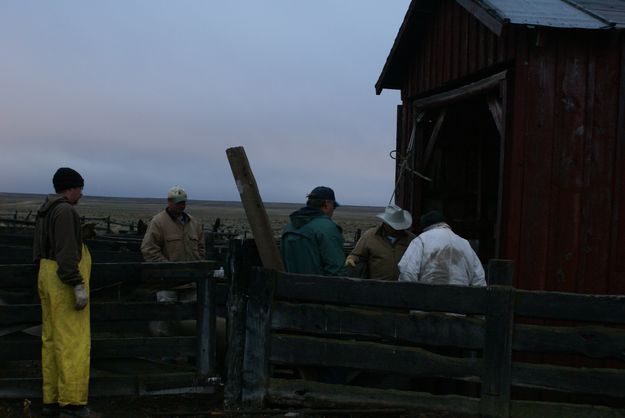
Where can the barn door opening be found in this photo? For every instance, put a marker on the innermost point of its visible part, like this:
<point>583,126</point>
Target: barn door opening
<point>461,156</point>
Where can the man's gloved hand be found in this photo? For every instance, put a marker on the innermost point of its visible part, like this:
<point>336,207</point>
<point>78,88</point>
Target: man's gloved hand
<point>349,262</point>
<point>81,297</point>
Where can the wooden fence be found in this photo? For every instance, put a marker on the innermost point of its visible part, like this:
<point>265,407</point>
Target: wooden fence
<point>20,353</point>
<point>17,247</point>
<point>299,321</point>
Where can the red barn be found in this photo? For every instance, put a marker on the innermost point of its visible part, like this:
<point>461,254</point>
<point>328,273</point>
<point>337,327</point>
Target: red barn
<point>512,122</point>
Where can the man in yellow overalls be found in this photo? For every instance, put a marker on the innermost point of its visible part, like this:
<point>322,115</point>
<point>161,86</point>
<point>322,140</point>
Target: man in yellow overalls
<point>63,280</point>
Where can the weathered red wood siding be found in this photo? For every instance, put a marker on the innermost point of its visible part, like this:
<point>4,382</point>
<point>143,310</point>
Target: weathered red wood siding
<point>455,45</point>
<point>559,203</point>
<point>563,215</point>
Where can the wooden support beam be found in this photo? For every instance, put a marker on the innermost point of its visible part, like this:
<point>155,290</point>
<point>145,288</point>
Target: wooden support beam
<point>244,256</point>
<point>432,141</point>
<point>496,110</point>
<point>461,93</point>
<point>206,329</point>
<point>254,209</point>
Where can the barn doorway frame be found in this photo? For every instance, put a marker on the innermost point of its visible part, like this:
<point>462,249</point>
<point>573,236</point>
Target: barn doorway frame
<point>492,92</point>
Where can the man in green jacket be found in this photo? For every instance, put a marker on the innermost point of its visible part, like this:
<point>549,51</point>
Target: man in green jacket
<point>311,242</point>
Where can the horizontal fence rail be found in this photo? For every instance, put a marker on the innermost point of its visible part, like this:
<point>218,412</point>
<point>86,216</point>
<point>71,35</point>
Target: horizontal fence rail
<point>412,329</point>
<point>111,316</point>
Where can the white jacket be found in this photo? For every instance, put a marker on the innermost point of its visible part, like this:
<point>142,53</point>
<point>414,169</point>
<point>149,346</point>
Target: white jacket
<point>438,256</point>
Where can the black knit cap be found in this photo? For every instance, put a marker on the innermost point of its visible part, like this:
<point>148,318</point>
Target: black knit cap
<point>431,218</point>
<point>66,178</point>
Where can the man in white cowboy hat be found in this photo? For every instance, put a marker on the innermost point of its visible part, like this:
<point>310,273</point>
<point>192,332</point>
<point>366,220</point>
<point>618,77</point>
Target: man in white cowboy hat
<point>438,256</point>
<point>381,247</point>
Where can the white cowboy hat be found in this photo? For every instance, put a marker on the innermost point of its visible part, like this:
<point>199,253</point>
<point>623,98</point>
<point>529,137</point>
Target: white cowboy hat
<point>396,217</point>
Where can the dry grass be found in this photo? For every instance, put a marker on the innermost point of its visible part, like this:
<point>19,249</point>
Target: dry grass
<point>231,214</point>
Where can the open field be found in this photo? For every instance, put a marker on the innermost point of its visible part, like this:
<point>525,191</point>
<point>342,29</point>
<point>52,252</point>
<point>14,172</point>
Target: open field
<point>231,214</point>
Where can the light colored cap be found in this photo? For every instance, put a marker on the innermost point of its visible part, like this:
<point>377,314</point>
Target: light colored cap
<point>177,194</point>
<point>396,217</point>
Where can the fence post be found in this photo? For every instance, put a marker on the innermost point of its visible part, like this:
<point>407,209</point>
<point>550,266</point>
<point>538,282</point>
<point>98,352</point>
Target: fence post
<point>500,272</point>
<point>254,208</point>
<point>495,398</point>
<point>257,338</point>
<point>206,329</point>
<point>242,256</point>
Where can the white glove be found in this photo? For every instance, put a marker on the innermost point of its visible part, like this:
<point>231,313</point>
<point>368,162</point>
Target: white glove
<point>349,262</point>
<point>81,297</point>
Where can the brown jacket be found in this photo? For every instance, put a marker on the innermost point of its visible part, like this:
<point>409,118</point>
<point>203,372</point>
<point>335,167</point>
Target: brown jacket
<point>381,256</point>
<point>167,239</point>
<point>58,237</point>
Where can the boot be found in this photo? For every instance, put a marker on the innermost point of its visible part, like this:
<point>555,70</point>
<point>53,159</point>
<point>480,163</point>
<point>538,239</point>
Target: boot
<point>50,410</point>
<point>80,411</point>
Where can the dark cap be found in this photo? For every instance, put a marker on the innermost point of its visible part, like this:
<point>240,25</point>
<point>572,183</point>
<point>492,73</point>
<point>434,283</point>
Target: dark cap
<point>431,218</point>
<point>323,193</point>
<point>66,178</point>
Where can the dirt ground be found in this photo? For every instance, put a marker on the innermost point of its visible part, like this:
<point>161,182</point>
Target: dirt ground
<point>196,407</point>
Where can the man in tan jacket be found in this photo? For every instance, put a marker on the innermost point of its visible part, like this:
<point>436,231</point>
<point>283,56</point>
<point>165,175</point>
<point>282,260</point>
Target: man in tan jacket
<point>173,234</point>
<point>380,248</point>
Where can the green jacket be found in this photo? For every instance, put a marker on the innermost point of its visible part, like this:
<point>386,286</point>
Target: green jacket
<point>313,244</point>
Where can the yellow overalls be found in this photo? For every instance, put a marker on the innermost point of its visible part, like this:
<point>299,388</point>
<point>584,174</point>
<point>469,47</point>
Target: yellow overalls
<point>65,336</point>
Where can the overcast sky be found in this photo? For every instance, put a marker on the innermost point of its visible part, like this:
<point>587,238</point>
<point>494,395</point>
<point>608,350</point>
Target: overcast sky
<point>139,95</point>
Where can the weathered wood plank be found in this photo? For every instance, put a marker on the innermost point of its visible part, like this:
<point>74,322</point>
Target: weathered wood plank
<point>102,274</point>
<point>12,314</point>
<point>411,361</point>
<point>416,328</point>
<point>461,93</point>
<point>157,384</point>
<point>18,275</point>
<point>570,306</point>
<point>609,382</point>
<point>175,271</point>
<point>524,409</point>
<point>397,295</point>
<point>595,341</point>
<point>495,398</point>
<point>109,348</point>
<point>206,329</point>
<point>313,394</point>
<point>257,338</point>
<point>243,257</point>
<point>254,208</point>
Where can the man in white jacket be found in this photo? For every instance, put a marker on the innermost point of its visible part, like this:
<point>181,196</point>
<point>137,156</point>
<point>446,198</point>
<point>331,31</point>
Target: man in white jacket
<point>438,256</point>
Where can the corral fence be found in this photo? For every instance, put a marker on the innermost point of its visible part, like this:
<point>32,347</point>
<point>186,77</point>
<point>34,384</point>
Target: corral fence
<point>16,247</point>
<point>124,361</point>
<point>300,321</point>
<point>102,223</point>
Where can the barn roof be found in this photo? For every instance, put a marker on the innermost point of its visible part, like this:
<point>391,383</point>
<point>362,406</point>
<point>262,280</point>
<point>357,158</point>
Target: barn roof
<point>495,14</point>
